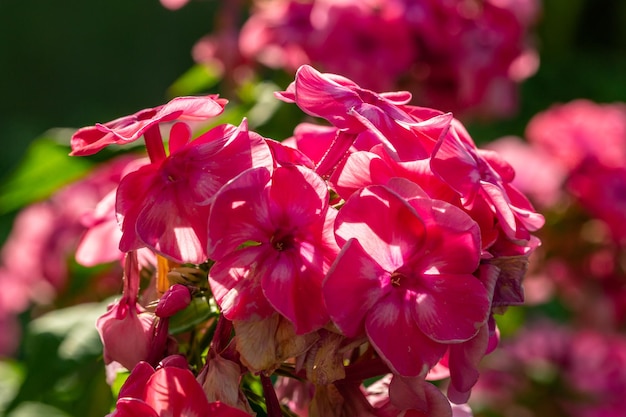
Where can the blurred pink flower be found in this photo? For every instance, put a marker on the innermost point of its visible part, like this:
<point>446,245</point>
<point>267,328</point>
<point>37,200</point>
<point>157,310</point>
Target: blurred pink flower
<point>581,129</point>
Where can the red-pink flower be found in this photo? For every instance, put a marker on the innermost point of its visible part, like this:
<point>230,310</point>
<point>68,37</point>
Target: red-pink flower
<point>482,175</point>
<point>407,263</point>
<point>407,132</point>
<point>89,140</point>
<point>169,391</point>
<point>272,238</point>
<point>165,205</point>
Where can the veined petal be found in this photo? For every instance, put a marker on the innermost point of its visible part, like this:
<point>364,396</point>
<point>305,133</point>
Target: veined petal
<point>396,336</point>
<point>387,227</point>
<point>352,286</point>
<point>240,213</point>
<point>174,391</point>
<point>451,308</point>
<point>294,290</point>
<point>237,287</point>
<point>299,196</point>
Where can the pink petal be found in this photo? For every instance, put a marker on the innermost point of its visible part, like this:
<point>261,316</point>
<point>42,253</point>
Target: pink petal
<point>352,286</point>
<point>237,292</point>
<point>237,218</point>
<point>301,196</point>
<point>173,391</point>
<point>386,226</point>
<point>294,290</point>
<point>451,308</point>
<point>133,407</point>
<point>400,342</point>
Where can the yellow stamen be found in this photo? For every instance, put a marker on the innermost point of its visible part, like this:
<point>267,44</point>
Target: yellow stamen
<point>164,266</point>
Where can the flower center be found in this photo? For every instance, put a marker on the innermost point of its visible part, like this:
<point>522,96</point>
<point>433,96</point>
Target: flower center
<point>396,278</point>
<point>282,242</point>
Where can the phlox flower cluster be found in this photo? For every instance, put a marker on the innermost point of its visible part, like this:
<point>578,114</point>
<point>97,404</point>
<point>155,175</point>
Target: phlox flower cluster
<point>465,56</point>
<point>549,369</point>
<point>577,152</point>
<point>376,246</point>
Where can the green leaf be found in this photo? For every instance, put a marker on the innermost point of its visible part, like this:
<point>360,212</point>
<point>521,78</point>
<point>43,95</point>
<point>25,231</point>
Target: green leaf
<point>198,311</point>
<point>197,78</point>
<point>34,409</point>
<point>11,376</point>
<point>45,168</point>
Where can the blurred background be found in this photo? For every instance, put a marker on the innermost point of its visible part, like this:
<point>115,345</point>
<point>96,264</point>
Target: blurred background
<point>68,64</point>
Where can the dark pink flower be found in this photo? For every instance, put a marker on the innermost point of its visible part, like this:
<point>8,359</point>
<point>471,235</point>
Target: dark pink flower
<point>272,238</point>
<point>383,118</point>
<point>168,391</point>
<point>482,175</point>
<point>165,205</point>
<point>89,140</point>
<point>414,259</point>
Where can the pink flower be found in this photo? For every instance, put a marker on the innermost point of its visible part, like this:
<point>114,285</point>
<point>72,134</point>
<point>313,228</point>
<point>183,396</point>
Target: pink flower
<point>580,129</point>
<point>168,391</point>
<point>382,117</point>
<point>482,175</point>
<point>126,330</point>
<point>100,242</point>
<point>277,34</point>
<point>89,140</point>
<point>407,262</point>
<point>165,205</point>
<point>271,236</point>
<point>376,38</point>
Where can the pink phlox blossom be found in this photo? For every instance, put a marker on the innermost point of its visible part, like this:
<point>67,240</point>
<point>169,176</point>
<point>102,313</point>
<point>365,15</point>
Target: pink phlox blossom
<point>581,129</point>
<point>165,205</point>
<point>601,191</point>
<point>538,174</point>
<point>412,397</point>
<point>277,34</point>
<point>126,329</point>
<point>414,258</point>
<point>482,175</point>
<point>361,169</point>
<point>127,129</point>
<point>356,111</point>
<point>170,390</point>
<point>272,239</point>
<point>375,36</point>
<point>100,242</point>
<point>313,140</point>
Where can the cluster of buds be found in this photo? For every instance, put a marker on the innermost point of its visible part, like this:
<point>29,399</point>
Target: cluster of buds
<point>375,247</point>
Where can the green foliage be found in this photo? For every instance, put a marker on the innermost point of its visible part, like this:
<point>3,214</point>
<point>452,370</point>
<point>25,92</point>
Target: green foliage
<point>63,370</point>
<point>45,168</point>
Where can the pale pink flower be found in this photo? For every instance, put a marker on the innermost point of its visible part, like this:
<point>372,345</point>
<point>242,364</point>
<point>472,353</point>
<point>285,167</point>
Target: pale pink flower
<point>415,258</point>
<point>165,205</point>
<point>580,129</point>
<point>127,129</point>
<point>126,329</point>
<point>272,239</point>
